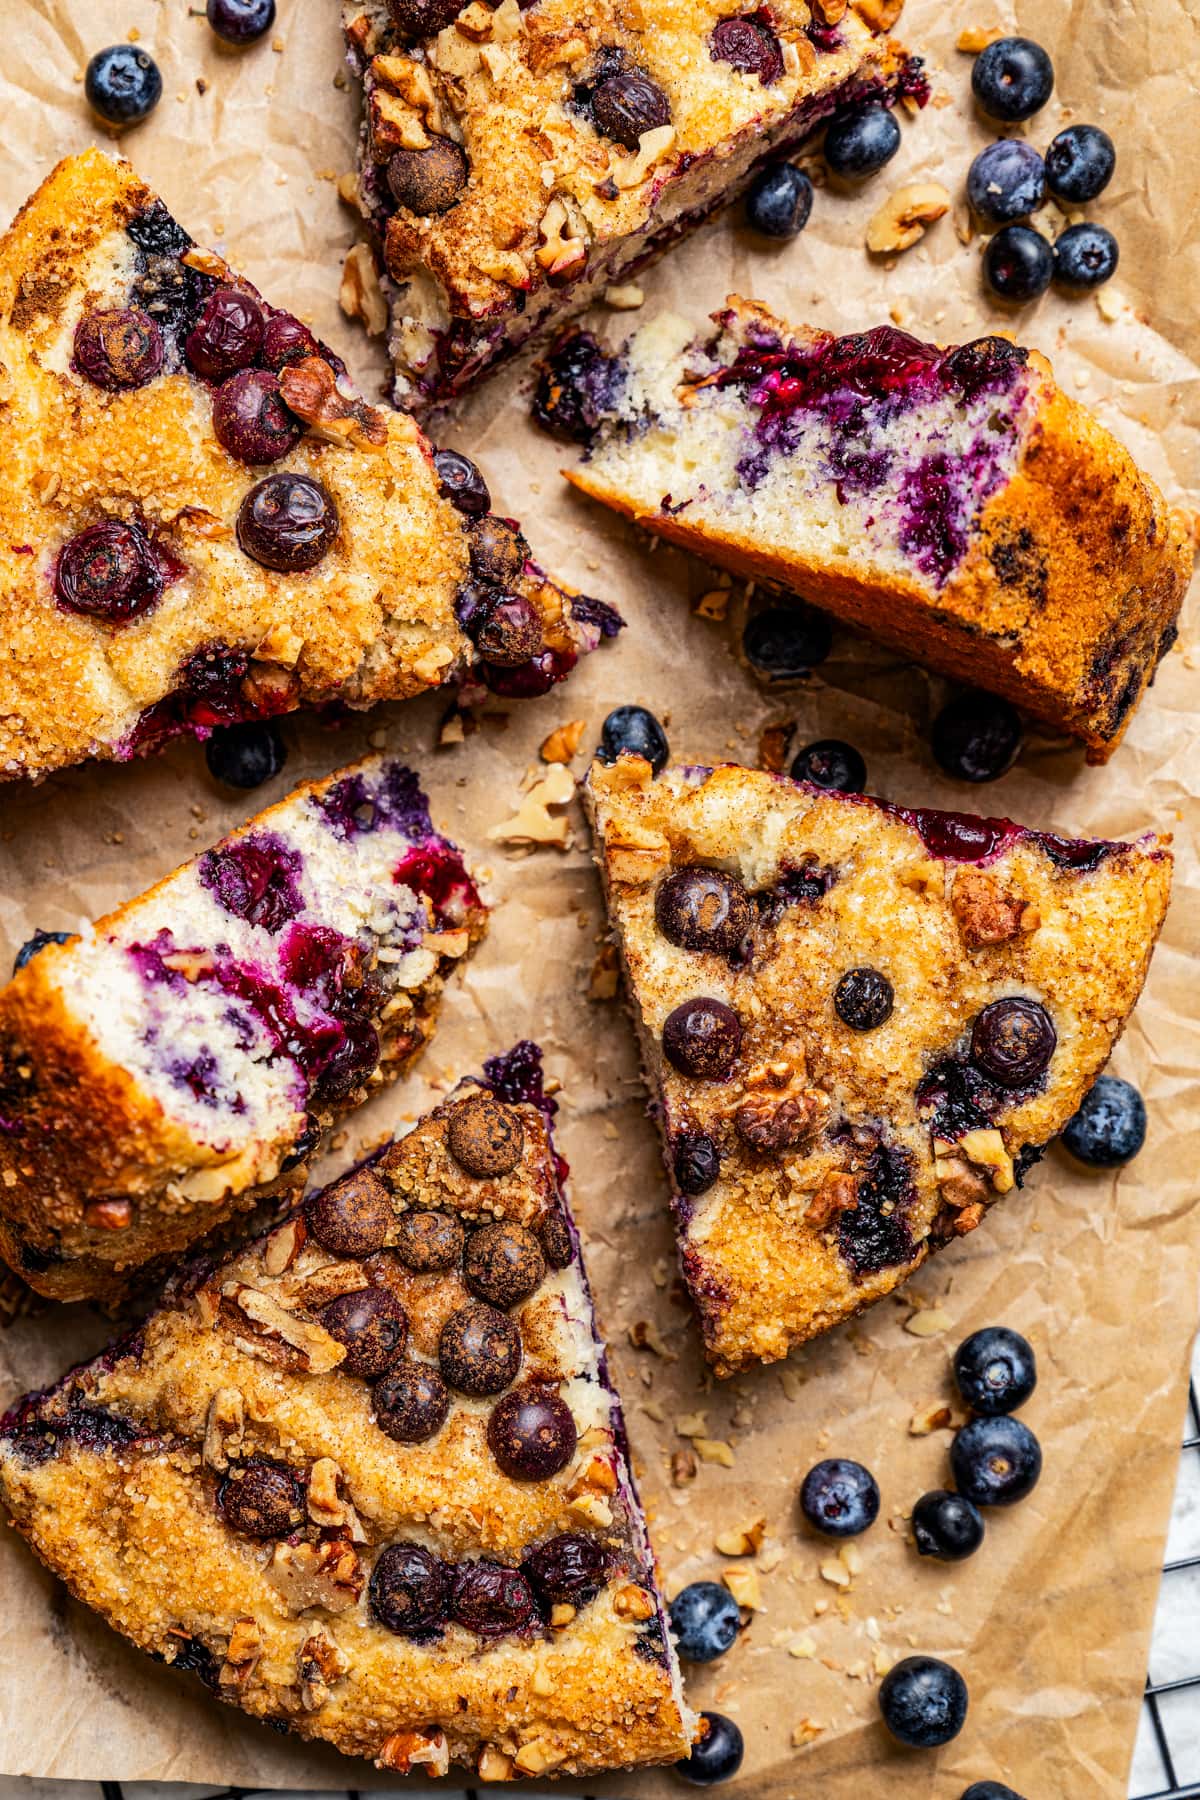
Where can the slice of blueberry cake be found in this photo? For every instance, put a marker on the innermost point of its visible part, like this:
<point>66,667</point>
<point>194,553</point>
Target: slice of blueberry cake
<point>367,1477</point>
<point>201,521</point>
<point>518,159</point>
<point>952,502</point>
<point>182,1058</point>
<point>861,1023</point>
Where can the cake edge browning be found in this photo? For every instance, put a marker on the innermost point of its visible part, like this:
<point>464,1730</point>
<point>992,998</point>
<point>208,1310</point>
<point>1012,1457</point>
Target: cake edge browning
<point>1072,602</point>
<point>555,1727</point>
<point>102,1136</point>
<point>736,1338</point>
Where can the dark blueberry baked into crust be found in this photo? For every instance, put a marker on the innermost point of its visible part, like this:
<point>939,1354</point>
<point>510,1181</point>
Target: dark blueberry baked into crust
<point>360,1502</point>
<point>183,1057</point>
<point>204,522</point>
<point>518,159</point>
<point>952,502</point>
<point>861,1023</point>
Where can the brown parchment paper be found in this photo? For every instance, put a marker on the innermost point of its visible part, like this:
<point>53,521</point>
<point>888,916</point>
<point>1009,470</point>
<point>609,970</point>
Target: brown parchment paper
<point>1050,1622</point>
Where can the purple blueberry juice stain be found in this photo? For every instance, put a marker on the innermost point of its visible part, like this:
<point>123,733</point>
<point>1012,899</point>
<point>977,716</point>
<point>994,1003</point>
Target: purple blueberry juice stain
<point>255,878</point>
<point>954,1098</point>
<point>875,1235</point>
<point>200,1076</point>
<point>802,886</point>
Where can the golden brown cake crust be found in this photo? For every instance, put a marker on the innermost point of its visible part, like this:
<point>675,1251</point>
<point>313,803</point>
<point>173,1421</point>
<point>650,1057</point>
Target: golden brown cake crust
<point>374,619</point>
<point>96,1179</point>
<point>1067,595</point>
<point>125,1480</point>
<point>889,1122</point>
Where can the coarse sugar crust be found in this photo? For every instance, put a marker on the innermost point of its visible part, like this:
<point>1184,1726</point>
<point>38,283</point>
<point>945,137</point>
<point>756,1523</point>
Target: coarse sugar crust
<point>553,211</point>
<point>374,619</point>
<point>777,1249</point>
<point>1066,597</point>
<point>98,1179</point>
<point>117,1478</point>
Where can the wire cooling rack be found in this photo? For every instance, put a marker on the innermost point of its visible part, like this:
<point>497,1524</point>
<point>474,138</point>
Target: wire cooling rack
<point>1166,1760</point>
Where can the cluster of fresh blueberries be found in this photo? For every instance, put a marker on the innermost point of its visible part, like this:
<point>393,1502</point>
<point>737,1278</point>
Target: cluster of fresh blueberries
<point>1013,79</point>
<point>996,1461</point>
<point>123,83</point>
<point>858,142</point>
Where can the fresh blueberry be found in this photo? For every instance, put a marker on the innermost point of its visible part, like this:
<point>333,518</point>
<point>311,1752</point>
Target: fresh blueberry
<point>38,941</point>
<point>701,1038</point>
<point>1080,163</point>
<point>996,1462</point>
<point>946,1526</point>
<point>717,1756</point>
<point>531,1433</point>
<point>990,1790</point>
<point>108,571</point>
<point>461,482</point>
<point>750,46</point>
<point>1006,181</point>
<point>840,1498</point>
<point>1085,255</point>
<point>923,1702</point>
<point>1012,79</point>
<point>491,1599</point>
<point>996,1370</point>
<point>706,1620</point>
<point>859,143</point>
<point>863,999</point>
<point>429,181</point>
<point>1018,263</point>
<point>250,419</point>
<point>241,21</point>
<point>244,756</point>
<point>696,1162</point>
<point>1110,1126</point>
<point>635,731</point>
<point>122,84</point>
<point>287,522</point>
<point>976,737</point>
<point>567,1570</point>
<point>119,348</point>
<point>409,1589</point>
<point>785,642</point>
<point>779,201</point>
<point>227,335</point>
<point>628,104</point>
<point>831,764</point>
<point>703,909</point>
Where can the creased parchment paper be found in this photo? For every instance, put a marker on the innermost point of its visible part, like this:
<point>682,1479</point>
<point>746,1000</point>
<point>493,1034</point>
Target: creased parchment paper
<point>1050,1622</point>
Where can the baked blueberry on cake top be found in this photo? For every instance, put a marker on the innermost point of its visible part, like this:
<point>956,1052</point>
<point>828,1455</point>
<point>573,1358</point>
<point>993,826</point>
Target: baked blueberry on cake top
<point>201,520</point>
<point>182,1058</point>
<point>952,502</point>
<point>367,1477</point>
<point>861,1023</point>
<point>517,160</point>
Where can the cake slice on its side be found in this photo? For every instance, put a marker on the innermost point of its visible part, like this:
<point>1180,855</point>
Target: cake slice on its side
<point>368,1479</point>
<point>183,1057</point>
<point>953,503</point>
<point>202,521</point>
<point>861,1024</point>
<point>516,165</point>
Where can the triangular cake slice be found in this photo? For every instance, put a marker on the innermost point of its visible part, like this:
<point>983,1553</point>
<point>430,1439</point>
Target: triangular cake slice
<point>202,521</point>
<point>953,503</point>
<point>367,1478</point>
<point>860,1023</point>
<point>516,164</point>
<point>182,1058</point>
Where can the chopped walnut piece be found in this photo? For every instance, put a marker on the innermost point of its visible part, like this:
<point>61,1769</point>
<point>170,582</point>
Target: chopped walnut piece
<point>958,1183</point>
<point>987,1150</point>
<point>806,1732</point>
<point>563,741</point>
<point>878,15</point>
<point>745,1540</point>
<point>902,218</point>
<point>532,822</point>
<point>494,1765</point>
<point>317,1350</point>
<point>633,1602</point>
<point>327,1575</point>
<point>683,1467</point>
<point>975,38</point>
<point>408,1750</point>
<point>837,1194</point>
<point>284,1245</point>
<point>325,1505</point>
<point>829,12</point>
<point>223,1429</point>
<point>564,248</point>
<point>319,1666</point>
<point>644,1335</point>
<point>773,745</point>
<point>316,1290</point>
<point>929,1322</point>
<point>606,974</point>
<point>108,1215</point>
<point>311,390</point>
<point>743,1583</point>
<point>770,1122</point>
<point>241,1658</point>
<point>967,1219</point>
<point>561,1615</point>
<point>714,1450</point>
<point>538,1757</point>
<point>939,1415</point>
<point>591,1509</point>
<point>985,913</point>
